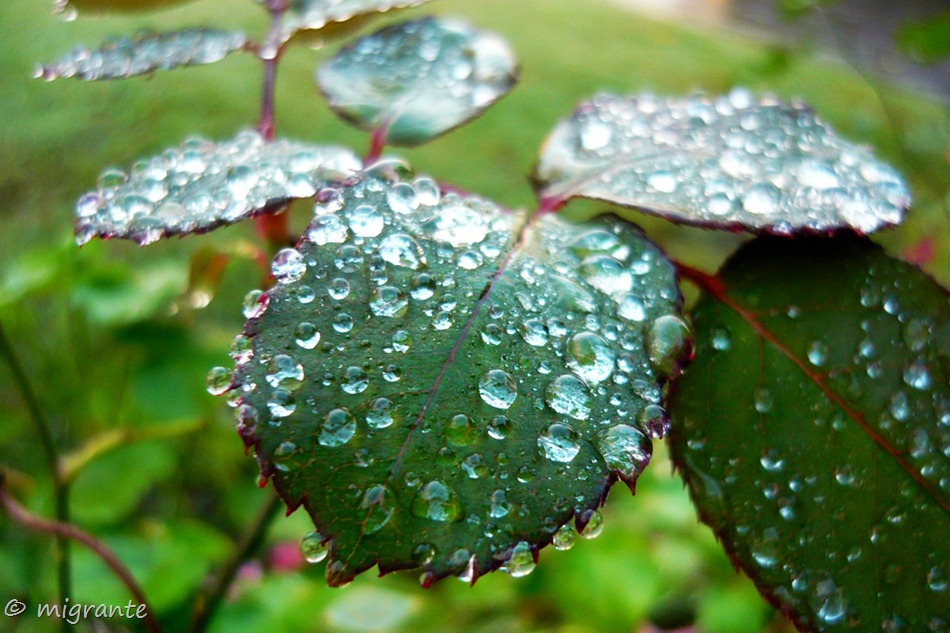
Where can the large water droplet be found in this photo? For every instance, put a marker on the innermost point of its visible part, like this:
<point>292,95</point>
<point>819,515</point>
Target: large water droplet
<point>590,357</point>
<point>281,404</point>
<point>565,537</point>
<point>288,266</point>
<point>401,250</point>
<point>380,414</point>
<point>218,381</point>
<point>625,450</point>
<point>284,372</point>
<point>606,274</point>
<point>313,548</point>
<point>389,301</point>
<point>337,429</point>
<point>306,335</point>
<point>498,389</point>
<point>669,345</point>
<point>365,221</point>
<point>534,332</point>
<point>521,562</point>
<point>354,381</point>
<point>438,502</point>
<point>379,506</point>
<point>559,443</point>
<point>569,395</point>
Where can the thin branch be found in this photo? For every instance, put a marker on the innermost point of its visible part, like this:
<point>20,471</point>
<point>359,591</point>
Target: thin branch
<point>66,530</point>
<point>208,600</point>
<point>45,433</point>
<point>377,143</point>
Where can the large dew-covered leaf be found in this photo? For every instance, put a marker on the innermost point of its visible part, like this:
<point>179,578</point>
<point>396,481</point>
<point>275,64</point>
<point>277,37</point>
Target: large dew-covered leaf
<point>145,53</point>
<point>316,14</point>
<point>416,80</point>
<point>441,394</point>
<point>202,185</point>
<point>813,431</point>
<point>729,162</point>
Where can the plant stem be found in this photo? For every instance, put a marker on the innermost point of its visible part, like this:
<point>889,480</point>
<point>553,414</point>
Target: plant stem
<point>273,227</point>
<point>60,485</point>
<point>208,600</point>
<point>68,531</point>
<point>377,143</point>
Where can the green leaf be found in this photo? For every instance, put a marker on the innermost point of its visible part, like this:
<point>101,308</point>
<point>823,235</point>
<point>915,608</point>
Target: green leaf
<point>443,388</point>
<point>416,80</point>
<point>97,6</point>
<point>147,52</point>
<point>928,41</point>
<point>317,14</point>
<point>202,185</point>
<point>729,162</point>
<point>813,431</point>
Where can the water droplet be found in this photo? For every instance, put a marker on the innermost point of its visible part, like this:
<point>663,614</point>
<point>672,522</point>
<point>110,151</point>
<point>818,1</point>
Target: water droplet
<point>663,181</point>
<point>337,429</point>
<point>830,602</point>
<point>498,427</point>
<point>313,548</point>
<point>492,334</point>
<point>380,414</point>
<point>306,335</point>
<point>669,344</point>
<point>569,395</point>
<point>402,341</point>
<point>632,308</point>
<point>389,301</point>
<point>459,430</point>
<point>281,404</point>
<point>595,135</point>
<point>327,229</point>
<point>817,353</point>
<point>402,198</point>
<point>241,349</point>
<point>437,502</point>
<point>590,357</point>
<point>218,381</point>
<point>458,225</point>
<point>559,443</point>
<point>354,381</point>
<point>762,199</point>
<point>499,504</point>
<point>534,332</point>
<point>625,450</point>
<point>401,250</point>
<point>498,389</point>
<point>606,274</point>
<point>763,400</point>
<point>521,562</point>
<point>338,289</point>
<point>721,340</point>
<point>365,221</point>
<point>284,372</point>
<point>343,323</point>
<point>287,457</point>
<point>565,537</point>
<point>254,304</point>
<point>594,526</point>
<point>379,506</point>
<point>654,420</point>
<point>917,375</point>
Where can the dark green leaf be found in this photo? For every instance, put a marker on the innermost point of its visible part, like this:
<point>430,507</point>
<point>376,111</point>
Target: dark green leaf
<point>147,52</point>
<point>316,14</point>
<point>813,431</point>
<point>416,80</point>
<point>730,162</point>
<point>440,393</point>
<point>927,42</point>
<point>202,185</point>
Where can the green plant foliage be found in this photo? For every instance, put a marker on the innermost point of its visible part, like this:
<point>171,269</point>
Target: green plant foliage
<point>733,161</point>
<point>415,80</point>
<point>812,431</point>
<point>147,52</point>
<point>443,389</point>
<point>202,185</point>
<point>928,41</point>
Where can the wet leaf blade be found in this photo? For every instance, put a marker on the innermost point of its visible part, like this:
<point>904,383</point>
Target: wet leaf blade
<point>812,429</point>
<point>435,393</point>
<point>729,162</point>
<point>201,185</point>
<point>419,79</point>
<point>309,15</point>
<point>145,53</point>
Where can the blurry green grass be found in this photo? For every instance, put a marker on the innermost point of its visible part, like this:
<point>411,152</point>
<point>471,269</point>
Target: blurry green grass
<point>55,138</point>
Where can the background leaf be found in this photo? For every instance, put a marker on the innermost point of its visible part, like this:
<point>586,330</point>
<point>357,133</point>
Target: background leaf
<point>316,14</point>
<point>147,52</point>
<point>439,394</point>
<point>416,80</point>
<point>203,185</point>
<point>813,431</point>
<point>730,162</point>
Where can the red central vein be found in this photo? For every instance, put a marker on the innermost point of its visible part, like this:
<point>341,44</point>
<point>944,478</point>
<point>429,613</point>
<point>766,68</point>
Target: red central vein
<point>715,287</point>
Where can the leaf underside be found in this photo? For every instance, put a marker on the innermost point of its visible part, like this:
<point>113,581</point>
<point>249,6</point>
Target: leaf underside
<point>418,79</point>
<point>732,162</point>
<point>306,15</point>
<point>147,52</point>
<point>202,185</point>
<point>436,392</point>
<point>813,431</point>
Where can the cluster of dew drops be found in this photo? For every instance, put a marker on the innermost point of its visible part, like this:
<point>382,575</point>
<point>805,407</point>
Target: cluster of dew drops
<point>200,185</point>
<point>457,226</point>
<point>781,169</point>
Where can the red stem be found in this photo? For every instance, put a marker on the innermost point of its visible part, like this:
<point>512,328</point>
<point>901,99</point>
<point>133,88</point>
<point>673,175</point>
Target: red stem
<point>66,530</point>
<point>377,143</point>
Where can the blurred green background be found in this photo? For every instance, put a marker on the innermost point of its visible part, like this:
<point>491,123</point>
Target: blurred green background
<point>117,339</point>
